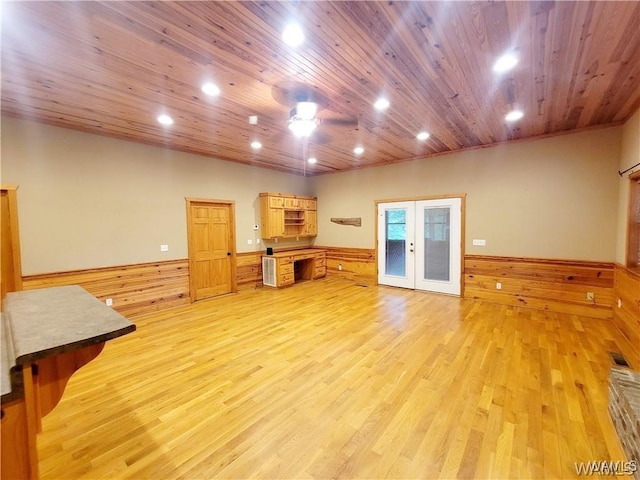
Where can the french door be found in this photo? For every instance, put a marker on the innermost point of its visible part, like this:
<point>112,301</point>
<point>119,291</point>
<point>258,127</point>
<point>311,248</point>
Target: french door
<point>420,244</point>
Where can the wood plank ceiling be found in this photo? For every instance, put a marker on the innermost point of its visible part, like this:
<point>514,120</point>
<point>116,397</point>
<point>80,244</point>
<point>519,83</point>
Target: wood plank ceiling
<point>112,67</point>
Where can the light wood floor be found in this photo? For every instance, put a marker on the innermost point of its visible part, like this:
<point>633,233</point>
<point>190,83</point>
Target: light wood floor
<point>328,379</point>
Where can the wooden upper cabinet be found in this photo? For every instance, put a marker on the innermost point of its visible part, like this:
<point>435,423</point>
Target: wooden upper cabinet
<point>311,223</point>
<point>288,216</point>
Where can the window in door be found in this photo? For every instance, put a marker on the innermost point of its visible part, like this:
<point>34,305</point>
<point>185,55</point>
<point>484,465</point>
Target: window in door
<point>396,239</point>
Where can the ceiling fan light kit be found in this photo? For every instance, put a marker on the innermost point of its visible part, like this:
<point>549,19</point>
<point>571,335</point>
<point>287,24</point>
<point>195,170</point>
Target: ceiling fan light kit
<point>302,121</point>
<point>301,127</point>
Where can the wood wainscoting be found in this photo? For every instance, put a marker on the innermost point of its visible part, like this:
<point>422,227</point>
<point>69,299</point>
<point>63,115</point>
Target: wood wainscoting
<point>358,264</point>
<point>553,285</point>
<point>626,308</point>
<point>146,287</point>
<point>135,289</point>
<point>249,269</point>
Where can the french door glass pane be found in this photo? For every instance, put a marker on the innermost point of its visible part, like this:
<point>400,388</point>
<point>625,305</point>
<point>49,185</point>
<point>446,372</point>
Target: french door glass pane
<point>395,240</point>
<point>436,243</point>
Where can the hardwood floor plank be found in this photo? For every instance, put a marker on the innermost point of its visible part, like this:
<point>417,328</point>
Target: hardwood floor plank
<point>328,379</point>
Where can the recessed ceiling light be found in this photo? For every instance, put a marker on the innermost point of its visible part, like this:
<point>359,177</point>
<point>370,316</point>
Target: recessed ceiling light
<point>293,35</point>
<point>210,89</point>
<point>256,145</point>
<point>505,63</point>
<point>165,120</point>
<point>422,136</point>
<point>381,104</point>
<point>358,150</point>
<point>312,160</point>
<point>513,115</point>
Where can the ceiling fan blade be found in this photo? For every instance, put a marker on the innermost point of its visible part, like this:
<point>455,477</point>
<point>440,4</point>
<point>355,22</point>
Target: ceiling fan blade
<point>340,122</point>
<point>319,138</point>
<point>291,92</point>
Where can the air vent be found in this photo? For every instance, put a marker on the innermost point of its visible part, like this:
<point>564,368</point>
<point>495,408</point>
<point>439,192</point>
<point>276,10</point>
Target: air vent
<point>618,359</point>
<point>269,272</point>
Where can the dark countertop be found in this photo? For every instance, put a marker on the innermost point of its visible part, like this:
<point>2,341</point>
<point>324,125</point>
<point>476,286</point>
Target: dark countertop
<point>50,321</point>
<point>297,252</point>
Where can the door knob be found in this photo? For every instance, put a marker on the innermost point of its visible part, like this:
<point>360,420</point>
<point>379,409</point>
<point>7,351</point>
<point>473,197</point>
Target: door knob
<point>228,254</point>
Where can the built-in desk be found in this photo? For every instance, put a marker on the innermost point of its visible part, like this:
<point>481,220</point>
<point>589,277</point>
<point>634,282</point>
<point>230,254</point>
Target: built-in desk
<point>287,267</point>
<point>47,334</point>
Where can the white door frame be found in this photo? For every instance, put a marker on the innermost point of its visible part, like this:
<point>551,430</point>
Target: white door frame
<point>462,198</point>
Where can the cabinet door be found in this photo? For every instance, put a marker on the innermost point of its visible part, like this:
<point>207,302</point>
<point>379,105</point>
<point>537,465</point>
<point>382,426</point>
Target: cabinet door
<point>291,202</point>
<point>311,223</point>
<point>276,202</point>
<point>276,222</point>
<point>311,204</point>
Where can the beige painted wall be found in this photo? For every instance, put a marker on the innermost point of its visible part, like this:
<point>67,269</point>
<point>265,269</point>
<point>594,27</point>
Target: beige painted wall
<point>629,156</point>
<point>87,201</point>
<point>550,198</point>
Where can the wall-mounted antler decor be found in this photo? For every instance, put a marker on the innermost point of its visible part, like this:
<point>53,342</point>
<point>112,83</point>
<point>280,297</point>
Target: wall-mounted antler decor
<point>356,222</point>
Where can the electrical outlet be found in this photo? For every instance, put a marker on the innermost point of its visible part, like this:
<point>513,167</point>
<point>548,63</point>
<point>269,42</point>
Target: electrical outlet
<point>619,303</point>
<point>249,242</point>
<point>498,286</point>
<point>164,248</point>
<point>339,266</point>
<point>591,297</point>
<point>479,242</point>
<point>109,302</point>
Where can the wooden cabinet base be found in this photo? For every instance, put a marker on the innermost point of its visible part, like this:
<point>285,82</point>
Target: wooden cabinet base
<point>44,384</point>
<point>297,265</point>
<point>17,458</point>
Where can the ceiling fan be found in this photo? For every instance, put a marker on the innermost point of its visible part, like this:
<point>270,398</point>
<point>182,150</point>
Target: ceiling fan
<point>312,110</point>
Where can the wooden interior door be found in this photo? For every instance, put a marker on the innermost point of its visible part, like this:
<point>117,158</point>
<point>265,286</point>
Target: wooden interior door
<point>212,265</point>
<point>10,266</point>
